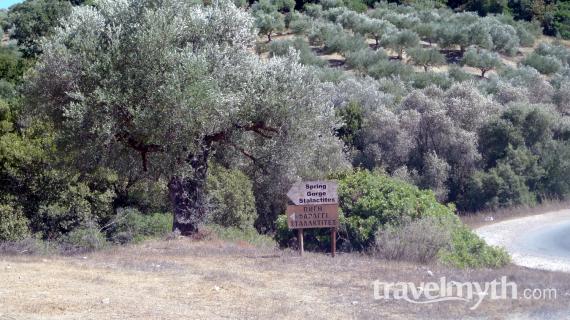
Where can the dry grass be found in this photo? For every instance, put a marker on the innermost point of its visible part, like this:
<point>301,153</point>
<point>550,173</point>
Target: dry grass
<point>481,218</point>
<point>214,280</point>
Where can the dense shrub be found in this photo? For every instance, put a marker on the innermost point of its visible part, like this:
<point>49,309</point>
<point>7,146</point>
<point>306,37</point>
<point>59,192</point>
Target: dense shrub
<point>544,64</point>
<point>505,39</point>
<point>76,206</point>
<point>328,4</point>
<point>469,251</point>
<point>457,74</point>
<point>32,20</point>
<point>279,47</point>
<point>13,223</point>
<point>313,10</point>
<point>146,195</point>
<point>421,80</point>
<point>132,226</point>
<point>562,19</point>
<point>12,65</point>
<point>500,187</point>
<point>388,68</point>
<point>364,194</point>
<point>554,50</point>
<point>362,59</point>
<point>525,34</point>
<point>522,155</point>
<point>230,198</point>
<point>299,23</point>
<point>83,239</point>
<point>420,240</point>
<point>343,42</point>
<point>356,5</point>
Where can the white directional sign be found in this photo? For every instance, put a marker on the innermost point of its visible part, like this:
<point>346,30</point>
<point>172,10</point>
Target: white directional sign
<point>314,192</point>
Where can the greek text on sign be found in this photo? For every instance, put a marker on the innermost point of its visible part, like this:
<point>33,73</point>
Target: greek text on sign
<point>312,216</point>
<point>314,192</point>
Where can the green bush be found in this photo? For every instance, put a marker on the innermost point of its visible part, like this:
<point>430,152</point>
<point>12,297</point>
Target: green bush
<point>356,5</point>
<point>369,200</point>
<point>13,223</point>
<point>562,19</point>
<point>279,47</point>
<point>422,80</point>
<point>300,24</point>
<point>469,251</point>
<point>362,59</point>
<point>328,4</point>
<point>525,35</point>
<point>457,74</point>
<point>83,239</point>
<point>230,197</point>
<point>328,74</point>
<point>131,226</point>
<point>544,64</point>
<point>146,195</point>
<point>343,42</point>
<point>389,68</point>
<point>75,206</point>
<point>313,10</point>
<point>554,50</point>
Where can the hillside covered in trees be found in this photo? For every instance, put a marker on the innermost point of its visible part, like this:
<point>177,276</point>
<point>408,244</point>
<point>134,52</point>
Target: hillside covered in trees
<point>115,112</point>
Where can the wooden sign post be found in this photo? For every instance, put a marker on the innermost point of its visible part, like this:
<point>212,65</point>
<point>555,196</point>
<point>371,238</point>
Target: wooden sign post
<point>316,206</point>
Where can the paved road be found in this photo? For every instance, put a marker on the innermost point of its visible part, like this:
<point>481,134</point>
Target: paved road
<point>541,242</point>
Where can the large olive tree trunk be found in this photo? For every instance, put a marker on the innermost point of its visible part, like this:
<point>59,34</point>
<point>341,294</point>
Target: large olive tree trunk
<point>188,195</point>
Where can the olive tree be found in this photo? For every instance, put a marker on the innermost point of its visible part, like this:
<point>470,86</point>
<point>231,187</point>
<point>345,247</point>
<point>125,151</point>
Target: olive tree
<point>426,58</point>
<point>481,59</point>
<point>162,86</point>
<point>375,28</point>
<point>504,36</point>
<point>427,32</point>
<point>268,19</point>
<point>400,41</point>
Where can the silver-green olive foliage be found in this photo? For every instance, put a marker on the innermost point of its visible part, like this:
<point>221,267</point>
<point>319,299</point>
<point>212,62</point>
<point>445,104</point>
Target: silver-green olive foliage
<point>158,86</point>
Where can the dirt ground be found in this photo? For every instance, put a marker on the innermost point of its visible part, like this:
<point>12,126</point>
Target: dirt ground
<point>185,279</point>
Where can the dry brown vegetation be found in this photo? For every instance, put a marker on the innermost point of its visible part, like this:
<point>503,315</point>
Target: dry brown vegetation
<point>214,280</point>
